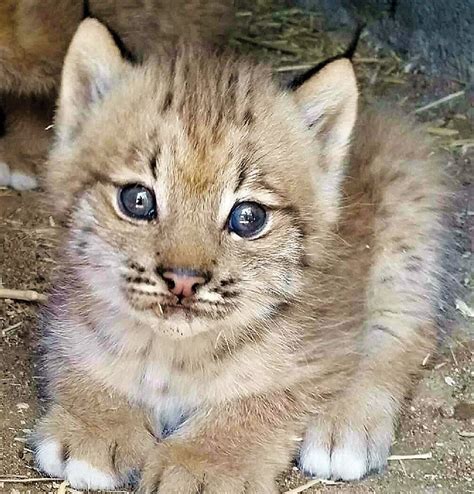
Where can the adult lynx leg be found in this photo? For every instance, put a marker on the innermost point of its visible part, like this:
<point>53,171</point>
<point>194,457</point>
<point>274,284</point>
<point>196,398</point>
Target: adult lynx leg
<point>24,145</point>
<point>93,440</point>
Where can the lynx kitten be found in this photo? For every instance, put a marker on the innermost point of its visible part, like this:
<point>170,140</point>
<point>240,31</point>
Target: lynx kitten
<point>240,284</point>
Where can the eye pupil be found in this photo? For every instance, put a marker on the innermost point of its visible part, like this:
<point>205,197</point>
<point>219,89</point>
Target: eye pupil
<point>247,219</point>
<point>137,201</point>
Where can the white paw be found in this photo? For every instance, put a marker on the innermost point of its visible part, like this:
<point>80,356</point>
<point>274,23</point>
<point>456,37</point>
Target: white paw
<point>81,475</point>
<point>4,174</point>
<point>16,180</point>
<point>49,458</point>
<point>352,455</point>
<point>21,181</point>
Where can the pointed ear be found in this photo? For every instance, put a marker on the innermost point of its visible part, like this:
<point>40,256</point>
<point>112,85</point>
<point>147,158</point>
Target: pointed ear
<point>328,104</point>
<point>92,66</point>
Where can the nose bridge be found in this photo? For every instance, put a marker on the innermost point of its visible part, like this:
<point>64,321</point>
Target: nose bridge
<point>190,247</point>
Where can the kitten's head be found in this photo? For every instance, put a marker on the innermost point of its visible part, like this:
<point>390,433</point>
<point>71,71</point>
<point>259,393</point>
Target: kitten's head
<point>196,191</point>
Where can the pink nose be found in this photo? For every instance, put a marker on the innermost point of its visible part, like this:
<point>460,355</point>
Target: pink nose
<point>183,282</point>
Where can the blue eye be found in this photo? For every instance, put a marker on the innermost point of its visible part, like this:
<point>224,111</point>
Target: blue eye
<point>247,219</point>
<point>137,201</point>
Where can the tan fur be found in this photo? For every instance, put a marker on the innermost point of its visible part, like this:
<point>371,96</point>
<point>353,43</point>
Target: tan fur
<point>34,36</point>
<point>311,330</point>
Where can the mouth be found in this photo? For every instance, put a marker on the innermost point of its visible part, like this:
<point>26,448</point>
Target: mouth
<point>185,309</point>
<point>190,310</point>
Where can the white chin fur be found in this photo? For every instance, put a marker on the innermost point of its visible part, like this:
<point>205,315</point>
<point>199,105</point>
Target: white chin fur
<point>81,475</point>
<point>20,181</point>
<point>4,174</point>
<point>48,458</point>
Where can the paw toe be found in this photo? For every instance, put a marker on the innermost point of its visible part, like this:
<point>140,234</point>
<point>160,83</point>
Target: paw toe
<point>82,475</point>
<point>49,458</point>
<point>21,181</point>
<point>348,464</point>
<point>4,174</point>
<point>315,461</point>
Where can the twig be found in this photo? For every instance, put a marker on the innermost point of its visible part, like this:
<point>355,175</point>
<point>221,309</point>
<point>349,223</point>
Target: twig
<point>442,131</point>
<point>309,484</point>
<point>62,487</point>
<point>464,309</point>
<point>368,60</point>
<point>11,328</point>
<point>27,481</point>
<point>403,468</point>
<point>462,142</point>
<point>306,66</point>
<point>438,102</point>
<point>421,456</point>
<point>24,295</point>
<point>268,44</point>
<point>292,68</point>
<point>454,356</point>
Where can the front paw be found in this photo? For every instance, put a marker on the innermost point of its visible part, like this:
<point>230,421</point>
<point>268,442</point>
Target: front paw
<point>347,443</point>
<point>180,469</point>
<point>90,455</point>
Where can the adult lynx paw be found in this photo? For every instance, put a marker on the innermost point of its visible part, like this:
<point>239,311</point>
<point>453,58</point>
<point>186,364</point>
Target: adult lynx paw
<point>90,455</point>
<point>179,469</point>
<point>16,179</point>
<point>348,445</point>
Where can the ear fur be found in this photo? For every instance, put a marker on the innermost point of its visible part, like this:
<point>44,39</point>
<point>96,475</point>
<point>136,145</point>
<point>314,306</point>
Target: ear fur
<point>328,104</point>
<point>92,66</point>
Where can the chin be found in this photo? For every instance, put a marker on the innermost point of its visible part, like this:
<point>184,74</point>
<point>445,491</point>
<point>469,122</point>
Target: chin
<point>179,326</point>
<point>179,323</point>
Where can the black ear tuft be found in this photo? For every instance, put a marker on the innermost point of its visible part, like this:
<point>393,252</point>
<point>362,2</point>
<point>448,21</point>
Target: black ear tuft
<point>348,53</point>
<point>3,122</point>
<point>125,52</point>
<point>86,11</point>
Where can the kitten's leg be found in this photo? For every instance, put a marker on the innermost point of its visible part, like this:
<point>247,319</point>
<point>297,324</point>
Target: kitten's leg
<point>24,146</point>
<point>93,440</point>
<point>354,435</point>
<point>234,448</point>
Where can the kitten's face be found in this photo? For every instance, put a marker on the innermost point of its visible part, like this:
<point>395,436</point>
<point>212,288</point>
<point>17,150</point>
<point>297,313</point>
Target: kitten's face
<point>178,193</point>
<point>193,201</point>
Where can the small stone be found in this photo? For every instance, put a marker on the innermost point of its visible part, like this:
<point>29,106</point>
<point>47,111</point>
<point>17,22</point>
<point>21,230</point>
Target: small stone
<point>449,381</point>
<point>446,411</point>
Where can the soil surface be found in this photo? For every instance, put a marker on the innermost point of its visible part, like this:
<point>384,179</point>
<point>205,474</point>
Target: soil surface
<point>438,419</point>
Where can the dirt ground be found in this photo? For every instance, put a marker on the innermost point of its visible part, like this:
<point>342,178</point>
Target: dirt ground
<point>438,419</point>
